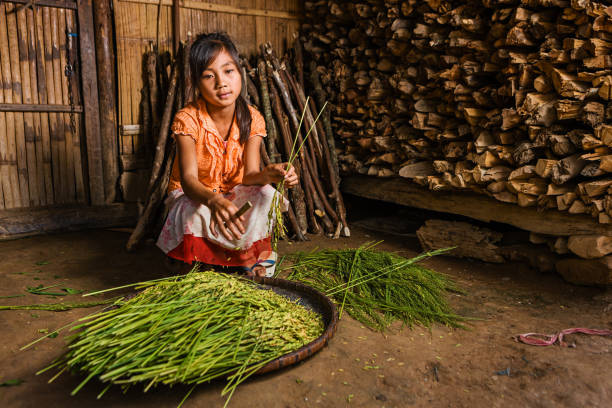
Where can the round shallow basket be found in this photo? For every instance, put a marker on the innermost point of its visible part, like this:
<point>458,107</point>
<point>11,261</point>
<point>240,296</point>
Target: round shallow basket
<point>305,296</point>
<point>311,299</point>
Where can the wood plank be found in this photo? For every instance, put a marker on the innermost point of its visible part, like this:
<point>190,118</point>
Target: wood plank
<point>50,95</point>
<point>64,4</point>
<point>32,58</point>
<point>472,205</point>
<point>8,168</point>
<point>42,99</point>
<point>38,107</point>
<point>76,150</point>
<point>22,167</point>
<point>60,135</point>
<point>19,223</point>
<point>66,118</point>
<point>90,102</point>
<point>222,8</point>
<point>28,118</point>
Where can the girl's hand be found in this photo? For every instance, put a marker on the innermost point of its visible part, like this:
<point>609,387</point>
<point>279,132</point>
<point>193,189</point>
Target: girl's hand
<point>275,173</point>
<point>222,218</point>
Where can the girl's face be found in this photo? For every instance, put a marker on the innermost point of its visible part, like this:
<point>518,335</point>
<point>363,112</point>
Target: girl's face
<point>221,82</point>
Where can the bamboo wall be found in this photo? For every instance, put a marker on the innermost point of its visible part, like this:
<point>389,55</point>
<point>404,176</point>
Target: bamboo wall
<point>138,28</point>
<point>40,154</point>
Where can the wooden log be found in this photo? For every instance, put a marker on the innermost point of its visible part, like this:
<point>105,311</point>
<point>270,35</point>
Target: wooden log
<point>424,168</point>
<point>594,188</point>
<point>523,173</point>
<point>469,241</point>
<point>567,169</point>
<point>544,167</point>
<point>471,205</point>
<point>590,246</point>
<point>586,271</point>
<point>105,59</point>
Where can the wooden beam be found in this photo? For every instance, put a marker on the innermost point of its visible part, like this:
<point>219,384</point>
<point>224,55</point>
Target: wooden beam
<point>19,223</point>
<point>65,4</point>
<point>31,107</point>
<point>89,84</point>
<point>105,62</point>
<point>221,8</point>
<point>472,205</point>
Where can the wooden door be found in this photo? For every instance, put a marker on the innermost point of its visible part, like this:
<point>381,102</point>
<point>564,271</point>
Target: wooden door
<point>43,146</point>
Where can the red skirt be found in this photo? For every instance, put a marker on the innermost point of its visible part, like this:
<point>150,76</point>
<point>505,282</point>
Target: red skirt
<point>198,249</point>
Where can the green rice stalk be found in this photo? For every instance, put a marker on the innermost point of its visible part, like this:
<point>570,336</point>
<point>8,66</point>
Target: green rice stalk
<point>187,330</point>
<point>57,307</point>
<point>378,288</point>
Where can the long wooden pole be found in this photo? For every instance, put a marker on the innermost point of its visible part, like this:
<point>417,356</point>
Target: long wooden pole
<point>160,148</point>
<point>297,193</point>
<point>105,59</point>
<point>267,109</point>
<point>90,102</point>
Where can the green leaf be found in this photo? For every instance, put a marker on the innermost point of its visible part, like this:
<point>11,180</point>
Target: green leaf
<point>72,291</point>
<point>53,335</point>
<point>11,382</point>
<point>11,296</point>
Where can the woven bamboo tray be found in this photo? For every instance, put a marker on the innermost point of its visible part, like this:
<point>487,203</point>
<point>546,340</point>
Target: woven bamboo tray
<point>311,299</point>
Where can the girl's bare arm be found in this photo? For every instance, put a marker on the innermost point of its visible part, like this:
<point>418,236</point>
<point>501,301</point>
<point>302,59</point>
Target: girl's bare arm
<point>272,173</point>
<point>222,210</point>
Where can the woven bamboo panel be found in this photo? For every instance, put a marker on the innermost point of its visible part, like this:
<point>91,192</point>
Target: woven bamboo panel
<point>40,153</point>
<point>143,24</point>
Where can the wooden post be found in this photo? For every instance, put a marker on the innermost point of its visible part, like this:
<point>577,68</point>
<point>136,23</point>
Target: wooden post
<point>176,26</point>
<point>90,102</point>
<point>105,59</point>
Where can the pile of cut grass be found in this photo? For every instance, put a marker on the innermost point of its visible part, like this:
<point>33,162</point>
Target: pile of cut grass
<point>376,287</point>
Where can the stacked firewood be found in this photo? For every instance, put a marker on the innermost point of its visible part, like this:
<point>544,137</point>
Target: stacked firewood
<point>508,98</point>
<point>316,204</point>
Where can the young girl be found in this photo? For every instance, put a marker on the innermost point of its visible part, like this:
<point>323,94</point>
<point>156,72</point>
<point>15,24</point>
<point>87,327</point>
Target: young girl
<point>217,170</point>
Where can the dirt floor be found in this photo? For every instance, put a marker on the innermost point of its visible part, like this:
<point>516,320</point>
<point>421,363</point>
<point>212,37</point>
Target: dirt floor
<point>479,367</point>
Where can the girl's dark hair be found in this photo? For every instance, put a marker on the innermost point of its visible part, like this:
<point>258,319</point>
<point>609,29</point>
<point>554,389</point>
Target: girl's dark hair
<point>204,50</point>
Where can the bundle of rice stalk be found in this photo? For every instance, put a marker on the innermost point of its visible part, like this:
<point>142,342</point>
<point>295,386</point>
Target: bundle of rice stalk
<point>188,330</point>
<point>275,215</point>
<point>378,288</point>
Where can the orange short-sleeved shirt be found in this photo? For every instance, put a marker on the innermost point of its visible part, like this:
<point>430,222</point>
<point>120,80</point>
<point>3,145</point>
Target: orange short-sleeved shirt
<point>220,166</point>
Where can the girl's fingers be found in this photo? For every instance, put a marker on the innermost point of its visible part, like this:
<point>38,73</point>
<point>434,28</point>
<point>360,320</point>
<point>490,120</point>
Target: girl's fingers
<point>213,227</point>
